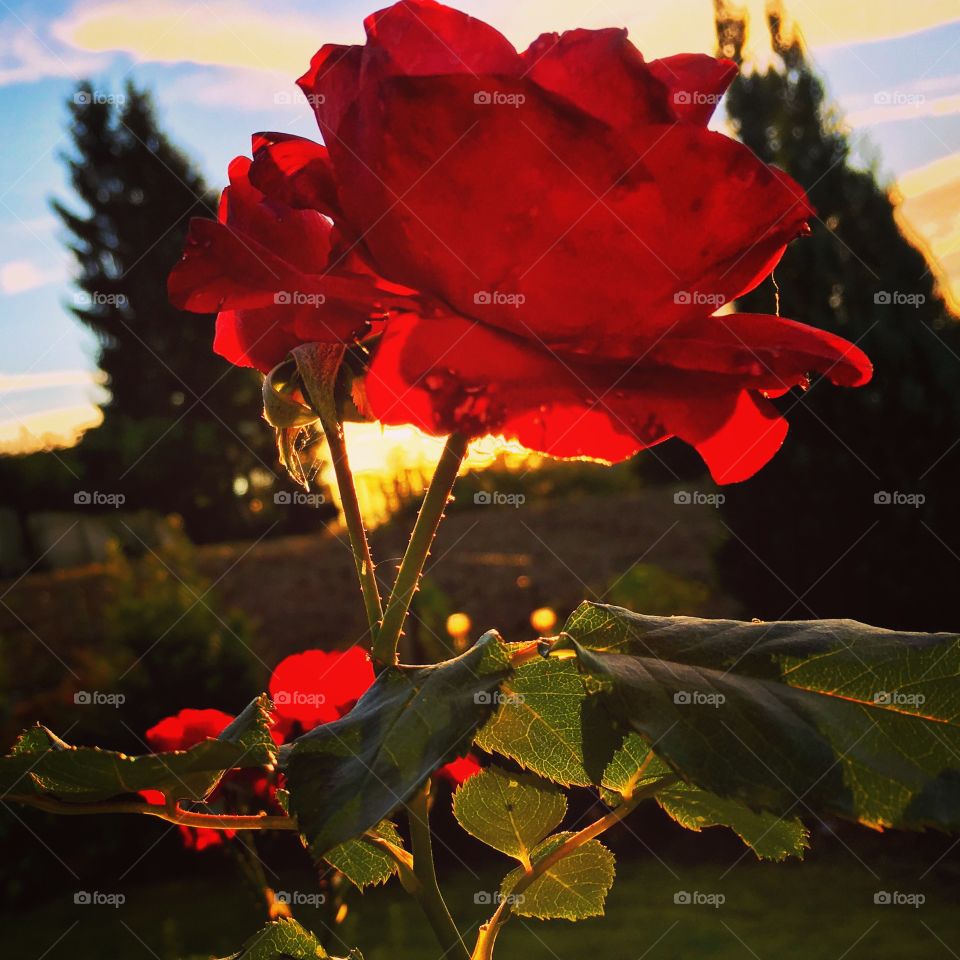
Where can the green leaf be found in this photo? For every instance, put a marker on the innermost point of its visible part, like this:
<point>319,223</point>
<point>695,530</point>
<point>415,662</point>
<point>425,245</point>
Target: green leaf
<point>511,812</point>
<point>830,716</point>
<point>769,836</point>
<point>285,940</point>
<point>544,720</point>
<point>573,888</point>
<point>635,766</point>
<point>347,776</point>
<point>364,864</point>
<point>41,764</point>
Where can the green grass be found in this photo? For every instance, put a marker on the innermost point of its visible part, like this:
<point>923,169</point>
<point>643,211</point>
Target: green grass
<point>817,910</point>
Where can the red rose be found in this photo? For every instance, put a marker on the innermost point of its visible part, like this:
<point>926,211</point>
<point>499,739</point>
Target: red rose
<point>273,265</point>
<point>459,771</point>
<point>575,226</point>
<point>183,730</point>
<point>317,686</point>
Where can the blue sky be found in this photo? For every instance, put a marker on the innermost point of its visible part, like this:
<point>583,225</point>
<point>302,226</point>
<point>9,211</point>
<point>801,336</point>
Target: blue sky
<point>222,70</point>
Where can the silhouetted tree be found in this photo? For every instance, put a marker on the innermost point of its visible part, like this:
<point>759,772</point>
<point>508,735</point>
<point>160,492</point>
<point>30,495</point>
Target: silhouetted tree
<point>811,535</point>
<point>182,430</point>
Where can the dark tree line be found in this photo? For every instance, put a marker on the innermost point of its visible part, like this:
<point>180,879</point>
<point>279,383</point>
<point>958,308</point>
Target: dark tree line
<point>811,534</point>
<point>182,431</point>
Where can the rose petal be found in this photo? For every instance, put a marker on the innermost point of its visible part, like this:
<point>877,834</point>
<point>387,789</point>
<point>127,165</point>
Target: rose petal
<point>437,374</point>
<point>293,171</point>
<point>186,728</point>
<point>424,38</point>
<point>317,686</point>
<point>696,83</point>
<point>603,74</point>
<point>558,218</point>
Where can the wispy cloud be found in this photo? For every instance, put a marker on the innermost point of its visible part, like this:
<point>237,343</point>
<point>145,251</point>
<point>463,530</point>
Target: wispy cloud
<point>930,198</point>
<point>233,34</point>
<point>27,56</point>
<point>280,37</point>
<point>922,99</point>
<point>51,379</point>
<point>20,276</point>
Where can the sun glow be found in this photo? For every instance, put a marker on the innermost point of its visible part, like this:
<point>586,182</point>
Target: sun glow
<point>391,465</point>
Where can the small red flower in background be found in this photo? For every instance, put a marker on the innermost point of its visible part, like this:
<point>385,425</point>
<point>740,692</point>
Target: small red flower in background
<point>183,730</point>
<point>317,686</point>
<point>308,689</point>
<point>460,770</point>
<point>569,226</point>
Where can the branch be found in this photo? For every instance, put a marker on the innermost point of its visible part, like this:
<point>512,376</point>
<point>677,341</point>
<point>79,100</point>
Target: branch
<point>172,813</point>
<point>418,549</point>
<point>488,932</point>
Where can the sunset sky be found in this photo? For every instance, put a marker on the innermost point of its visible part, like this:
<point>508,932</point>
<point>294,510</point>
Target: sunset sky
<point>222,70</point>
